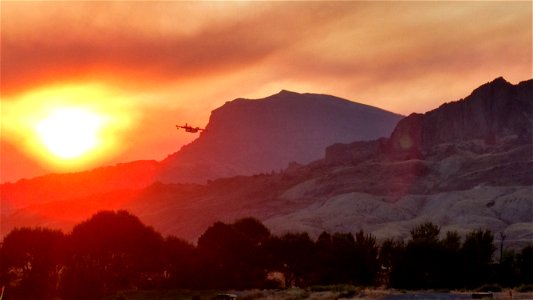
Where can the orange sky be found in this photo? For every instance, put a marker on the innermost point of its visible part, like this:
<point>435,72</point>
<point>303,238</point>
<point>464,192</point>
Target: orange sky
<point>154,64</point>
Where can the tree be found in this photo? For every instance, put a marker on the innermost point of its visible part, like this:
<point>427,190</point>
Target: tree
<point>525,264</point>
<point>111,251</point>
<point>426,232</point>
<point>293,254</point>
<point>450,260</point>
<point>181,264</point>
<point>366,258</point>
<point>341,258</point>
<point>336,260</point>
<point>31,262</point>
<point>477,252</point>
<point>232,256</point>
<point>255,261</point>
<point>420,267</point>
<point>253,230</point>
<point>508,272</point>
<point>391,258</point>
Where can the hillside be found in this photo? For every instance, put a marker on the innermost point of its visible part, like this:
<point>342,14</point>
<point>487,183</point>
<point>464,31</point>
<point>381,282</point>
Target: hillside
<point>461,181</point>
<point>63,187</point>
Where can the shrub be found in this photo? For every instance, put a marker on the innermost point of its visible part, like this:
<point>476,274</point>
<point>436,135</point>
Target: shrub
<point>489,288</point>
<point>524,288</point>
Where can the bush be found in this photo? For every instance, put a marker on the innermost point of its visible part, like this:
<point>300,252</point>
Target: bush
<point>339,288</point>
<point>489,288</point>
<point>347,294</point>
<point>524,288</point>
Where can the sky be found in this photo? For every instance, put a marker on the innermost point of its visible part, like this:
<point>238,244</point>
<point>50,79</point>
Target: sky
<point>131,70</point>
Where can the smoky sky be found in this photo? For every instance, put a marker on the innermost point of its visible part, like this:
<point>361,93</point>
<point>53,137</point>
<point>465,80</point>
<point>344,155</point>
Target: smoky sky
<point>178,60</point>
<point>150,43</point>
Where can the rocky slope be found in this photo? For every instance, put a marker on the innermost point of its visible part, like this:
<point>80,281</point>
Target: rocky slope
<point>460,181</point>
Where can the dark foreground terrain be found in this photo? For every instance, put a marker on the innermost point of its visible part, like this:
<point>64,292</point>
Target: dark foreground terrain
<point>322,293</point>
<point>113,252</point>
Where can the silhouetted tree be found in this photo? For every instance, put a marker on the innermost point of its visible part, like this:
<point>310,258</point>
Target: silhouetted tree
<point>366,258</point>
<point>253,230</point>
<point>525,264</point>
<point>112,251</point>
<point>391,258</point>
<point>294,255</point>
<point>477,252</point>
<point>420,268</point>
<point>326,270</point>
<point>508,272</point>
<point>450,260</point>
<point>426,232</point>
<point>336,260</point>
<point>181,264</point>
<point>255,261</point>
<point>31,260</point>
<point>231,254</point>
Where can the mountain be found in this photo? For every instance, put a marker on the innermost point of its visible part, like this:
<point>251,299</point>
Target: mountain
<point>465,179</point>
<point>462,180</point>
<point>246,137</point>
<point>242,137</point>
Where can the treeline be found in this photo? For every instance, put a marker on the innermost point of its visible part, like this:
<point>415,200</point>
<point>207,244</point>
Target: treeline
<point>115,251</point>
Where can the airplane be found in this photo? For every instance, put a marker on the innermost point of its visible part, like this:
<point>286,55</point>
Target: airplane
<point>189,128</point>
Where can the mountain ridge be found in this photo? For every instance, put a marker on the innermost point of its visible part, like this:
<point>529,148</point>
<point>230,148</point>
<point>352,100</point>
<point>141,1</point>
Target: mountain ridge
<point>476,182</point>
<point>199,168</point>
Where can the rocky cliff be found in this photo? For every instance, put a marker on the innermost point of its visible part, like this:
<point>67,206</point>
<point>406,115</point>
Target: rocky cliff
<point>496,110</point>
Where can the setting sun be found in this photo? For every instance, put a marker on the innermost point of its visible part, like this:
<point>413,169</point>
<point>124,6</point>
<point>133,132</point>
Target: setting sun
<point>69,133</point>
<point>69,127</point>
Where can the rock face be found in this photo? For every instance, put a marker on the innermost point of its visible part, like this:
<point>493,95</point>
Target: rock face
<point>246,137</point>
<point>493,111</point>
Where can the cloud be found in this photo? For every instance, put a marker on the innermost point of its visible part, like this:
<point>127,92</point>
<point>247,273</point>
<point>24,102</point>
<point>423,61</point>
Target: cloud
<point>143,44</point>
<point>127,51</point>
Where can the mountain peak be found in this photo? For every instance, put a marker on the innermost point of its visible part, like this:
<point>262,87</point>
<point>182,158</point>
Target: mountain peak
<point>287,92</point>
<point>496,84</point>
<point>499,80</point>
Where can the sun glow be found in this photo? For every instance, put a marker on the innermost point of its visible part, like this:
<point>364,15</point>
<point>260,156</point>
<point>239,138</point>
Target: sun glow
<point>70,127</point>
<point>70,132</point>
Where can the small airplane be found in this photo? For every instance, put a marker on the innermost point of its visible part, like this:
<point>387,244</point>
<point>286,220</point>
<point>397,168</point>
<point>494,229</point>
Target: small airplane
<point>189,128</point>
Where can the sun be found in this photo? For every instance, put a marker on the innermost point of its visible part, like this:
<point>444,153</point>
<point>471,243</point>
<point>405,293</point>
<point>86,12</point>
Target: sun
<point>70,133</point>
<point>71,127</point>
